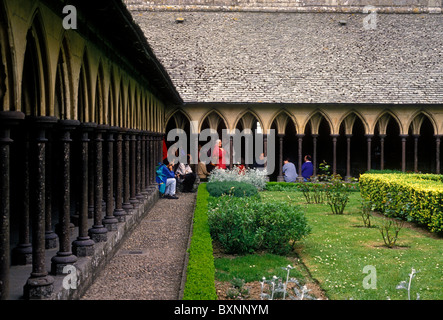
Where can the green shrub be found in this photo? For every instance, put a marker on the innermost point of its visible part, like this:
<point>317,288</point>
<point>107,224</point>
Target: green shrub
<point>200,271</point>
<point>412,197</point>
<point>245,225</point>
<point>237,189</point>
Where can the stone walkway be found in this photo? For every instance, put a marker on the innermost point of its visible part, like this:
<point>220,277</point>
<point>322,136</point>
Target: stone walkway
<point>151,261</point>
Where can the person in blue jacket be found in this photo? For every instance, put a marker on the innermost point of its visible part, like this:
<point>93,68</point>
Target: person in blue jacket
<point>307,169</point>
<point>166,180</point>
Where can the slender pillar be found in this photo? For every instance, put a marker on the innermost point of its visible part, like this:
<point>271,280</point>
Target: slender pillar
<point>8,119</point>
<point>39,284</point>
<point>416,136</point>
<point>110,222</point>
<point>348,157</point>
<point>369,142</point>
<point>132,167</point>
<point>314,155</point>
<point>280,158</point>
<point>50,236</point>
<point>22,253</point>
<point>334,153</point>
<point>127,206</point>
<point>119,212</point>
<point>403,152</point>
<point>143,163</point>
<point>84,246</point>
<point>231,152</point>
<point>91,173</point>
<point>265,149</point>
<point>437,154</point>
<point>382,151</point>
<point>138,166</point>
<point>64,255</point>
<point>98,232</point>
<point>300,155</point>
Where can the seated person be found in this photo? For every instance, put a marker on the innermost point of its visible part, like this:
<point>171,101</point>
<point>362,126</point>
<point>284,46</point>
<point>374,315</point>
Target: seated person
<point>166,180</point>
<point>202,172</point>
<point>307,169</point>
<point>185,175</point>
<point>289,171</point>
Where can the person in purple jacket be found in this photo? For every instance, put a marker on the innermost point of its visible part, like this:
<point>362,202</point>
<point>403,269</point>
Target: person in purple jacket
<point>307,169</point>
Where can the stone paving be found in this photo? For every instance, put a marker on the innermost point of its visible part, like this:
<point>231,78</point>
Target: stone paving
<point>151,261</point>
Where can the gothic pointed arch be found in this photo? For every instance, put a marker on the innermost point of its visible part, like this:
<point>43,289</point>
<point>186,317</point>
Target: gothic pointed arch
<point>7,74</point>
<point>85,109</point>
<point>35,80</point>
<point>246,120</point>
<point>214,120</point>
<point>382,121</point>
<point>416,120</point>
<point>281,117</point>
<point>348,120</point>
<point>63,84</point>
<point>314,120</point>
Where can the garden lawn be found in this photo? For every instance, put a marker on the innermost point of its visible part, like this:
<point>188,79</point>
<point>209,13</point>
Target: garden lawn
<point>339,248</point>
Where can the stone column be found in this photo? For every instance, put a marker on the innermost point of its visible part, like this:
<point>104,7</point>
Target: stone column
<point>138,166</point>
<point>64,255</point>
<point>143,163</point>
<point>403,152</point>
<point>50,236</point>
<point>231,152</point>
<point>132,168</point>
<point>22,253</point>
<point>98,232</point>
<point>334,153</point>
<point>109,221</point>
<point>84,246</point>
<point>300,155</point>
<point>382,151</point>
<point>127,206</point>
<point>39,284</point>
<point>280,158</point>
<point>348,157</point>
<point>416,136</point>
<point>314,155</point>
<point>119,212</point>
<point>369,142</point>
<point>151,166</point>
<point>8,119</point>
<point>437,154</point>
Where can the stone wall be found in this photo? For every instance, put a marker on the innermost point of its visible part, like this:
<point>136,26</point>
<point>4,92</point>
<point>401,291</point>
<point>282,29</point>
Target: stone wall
<point>386,6</point>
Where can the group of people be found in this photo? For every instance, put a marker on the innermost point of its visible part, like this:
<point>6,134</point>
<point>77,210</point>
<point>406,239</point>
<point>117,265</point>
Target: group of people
<point>290,172</point>
<point>169,173</point>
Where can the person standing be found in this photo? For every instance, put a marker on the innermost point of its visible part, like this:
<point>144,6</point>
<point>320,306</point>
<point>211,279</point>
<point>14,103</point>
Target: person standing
<point>307,169</point>
<point>289,171</point>
<point>219,155</point>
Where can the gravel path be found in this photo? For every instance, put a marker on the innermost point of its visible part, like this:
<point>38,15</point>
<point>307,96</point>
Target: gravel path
<point>150,262</point>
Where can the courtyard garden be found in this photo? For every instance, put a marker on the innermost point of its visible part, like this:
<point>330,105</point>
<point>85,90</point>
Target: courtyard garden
<point>376,239</point>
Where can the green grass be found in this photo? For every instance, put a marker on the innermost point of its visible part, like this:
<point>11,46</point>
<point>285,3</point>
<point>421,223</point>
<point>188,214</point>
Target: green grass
<point>253,267</point>
<point>339,247</point>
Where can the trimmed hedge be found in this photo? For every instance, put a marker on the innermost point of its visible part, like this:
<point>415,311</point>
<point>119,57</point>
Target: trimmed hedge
<point>236,188</point>
<point>413,197</point>
<point>200,278</point>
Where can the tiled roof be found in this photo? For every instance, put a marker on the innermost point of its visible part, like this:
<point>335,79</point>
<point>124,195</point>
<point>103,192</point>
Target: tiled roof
<point>250,57</point>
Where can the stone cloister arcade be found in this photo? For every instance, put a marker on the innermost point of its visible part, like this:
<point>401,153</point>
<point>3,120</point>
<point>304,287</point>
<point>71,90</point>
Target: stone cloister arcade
<point>352,139</point>
<point>81,127</point>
